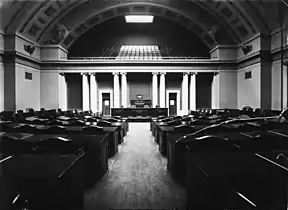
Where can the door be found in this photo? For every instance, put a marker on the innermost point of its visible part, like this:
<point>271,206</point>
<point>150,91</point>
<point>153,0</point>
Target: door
<point>172,104</point>
<point>106,104</point>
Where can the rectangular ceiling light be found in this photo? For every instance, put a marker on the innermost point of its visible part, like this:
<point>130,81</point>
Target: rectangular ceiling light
<point>139,18</point>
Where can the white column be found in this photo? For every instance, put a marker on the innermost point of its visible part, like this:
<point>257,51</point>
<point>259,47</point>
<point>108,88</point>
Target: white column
<point>154,89</point>
<point>124,91</point>
<point>93,93</point>
<point>215,92</point>
<point>193,91</point>
<point>162,90</point>
<point>85,92</point>
<point>62,92</point>
<point>185,93</point>
<point>116,90</point>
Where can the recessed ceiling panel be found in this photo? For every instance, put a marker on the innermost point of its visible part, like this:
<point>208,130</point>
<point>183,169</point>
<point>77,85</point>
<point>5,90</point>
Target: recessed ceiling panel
<point>93,20</point>
<point>122,10</point>
<point>68,40</point>
<point>80,29</point>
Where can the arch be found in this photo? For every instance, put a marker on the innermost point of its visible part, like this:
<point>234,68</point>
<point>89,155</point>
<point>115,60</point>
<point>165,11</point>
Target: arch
<point>140,8</point>
<point>235,21</point>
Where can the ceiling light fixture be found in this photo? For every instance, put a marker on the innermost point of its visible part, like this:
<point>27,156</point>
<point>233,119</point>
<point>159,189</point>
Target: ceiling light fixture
<point>139,18</point>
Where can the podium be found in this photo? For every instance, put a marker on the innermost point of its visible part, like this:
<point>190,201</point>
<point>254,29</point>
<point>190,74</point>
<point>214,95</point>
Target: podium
<point>139,114</point>
<point>141,103</point>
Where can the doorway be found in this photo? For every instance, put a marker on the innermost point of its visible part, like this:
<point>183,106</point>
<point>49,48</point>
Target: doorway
<point>106,104</point>
<point>173,102</point>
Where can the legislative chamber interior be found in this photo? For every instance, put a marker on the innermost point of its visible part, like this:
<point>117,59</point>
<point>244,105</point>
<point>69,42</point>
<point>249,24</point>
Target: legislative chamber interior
<point>143,105</point>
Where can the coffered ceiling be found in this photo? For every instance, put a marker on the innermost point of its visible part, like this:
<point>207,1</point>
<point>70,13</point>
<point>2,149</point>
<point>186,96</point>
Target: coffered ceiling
<point>215,22</point>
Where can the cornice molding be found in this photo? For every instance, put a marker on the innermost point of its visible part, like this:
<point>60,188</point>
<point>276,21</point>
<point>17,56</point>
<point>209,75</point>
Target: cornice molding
<point>24,38</point>
<point>223,47</point>
<point>277,31</point>
<point>54,46</point>
<point>14,57</point>
<point>130,69</point>
<point>249,57</point>
<point>17,54</point>
<point>254,37</point>
<point>278,49</point>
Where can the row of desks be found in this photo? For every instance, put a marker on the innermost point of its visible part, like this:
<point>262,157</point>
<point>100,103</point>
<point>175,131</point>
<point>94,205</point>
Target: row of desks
<point>26,167</point>
<point>207,166</point>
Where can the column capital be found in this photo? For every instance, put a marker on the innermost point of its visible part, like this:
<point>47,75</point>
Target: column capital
<point>84,73</point>
<point>215,73</point>
<point>115,73</point>
<point>92,73</point>
<point>155,73</point>
<point>193,73</point>
<point>123,73</point>
<point>62,74</point>
<point>186,73</point>
<point>162,73</point>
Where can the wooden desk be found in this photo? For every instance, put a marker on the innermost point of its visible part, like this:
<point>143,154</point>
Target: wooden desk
<point>139,112</point>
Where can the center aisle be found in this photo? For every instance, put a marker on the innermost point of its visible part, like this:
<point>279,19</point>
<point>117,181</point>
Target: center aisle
<point>138,178</point>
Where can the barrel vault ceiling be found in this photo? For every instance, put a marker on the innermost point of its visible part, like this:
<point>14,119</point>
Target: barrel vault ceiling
<point>215,22</point>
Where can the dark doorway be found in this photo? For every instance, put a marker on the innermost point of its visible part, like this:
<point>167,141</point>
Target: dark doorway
<point>172,104</point>
<point>106,104</point>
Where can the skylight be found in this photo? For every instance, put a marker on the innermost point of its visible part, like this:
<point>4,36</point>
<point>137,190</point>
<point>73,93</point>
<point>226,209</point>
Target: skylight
<point>139,52</point>
<point>139,18</point>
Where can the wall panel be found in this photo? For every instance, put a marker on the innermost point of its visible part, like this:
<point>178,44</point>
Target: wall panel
<point>27,91</point>
<point>249,90</point>
<point>49,89</point>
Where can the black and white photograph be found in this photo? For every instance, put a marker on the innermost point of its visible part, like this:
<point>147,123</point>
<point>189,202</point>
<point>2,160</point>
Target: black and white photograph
<point>143,105</point>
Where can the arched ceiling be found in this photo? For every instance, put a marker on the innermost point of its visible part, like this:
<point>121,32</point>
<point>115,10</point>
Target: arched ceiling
<point>63,21</point>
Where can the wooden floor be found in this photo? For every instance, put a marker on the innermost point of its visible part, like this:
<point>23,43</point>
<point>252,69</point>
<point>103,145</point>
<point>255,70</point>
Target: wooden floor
<point>138,178</point>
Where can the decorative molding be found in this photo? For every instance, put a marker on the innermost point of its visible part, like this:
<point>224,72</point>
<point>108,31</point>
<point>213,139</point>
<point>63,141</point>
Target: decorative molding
<point>24,38</point>
<point>250,39</point>
<point>223,47</point>
<point>276,31</point>
<point>246,49</point>
<point>58,34</point>
<point>84,73</point>
<point>21,58</point>
<point>29,48</point>
<point>54,46</point>
<point>249,62</point>
<point>16,54</point>
<point>148,69</point>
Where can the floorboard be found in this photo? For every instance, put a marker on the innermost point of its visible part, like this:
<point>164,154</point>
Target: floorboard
<point>137,178</point>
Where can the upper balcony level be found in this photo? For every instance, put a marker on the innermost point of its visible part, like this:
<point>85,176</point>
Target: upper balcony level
<point>145,60</point>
